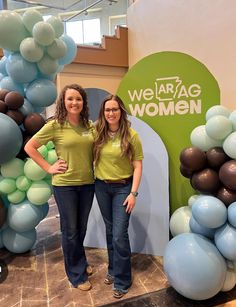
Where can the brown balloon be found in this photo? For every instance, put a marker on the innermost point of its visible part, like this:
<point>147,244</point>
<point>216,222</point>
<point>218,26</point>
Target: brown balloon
<point>14,100</point>
<point>3,213</point>
<point>16,115</point>
<point>206,181</point>
<point>227,174</point>
<point>226,195</point>
<point>185,171</point>
<point>3,107</point>
<point>193,158</point>
<point>3,93</point>
<point>216,157</point>
<point>33,123</point>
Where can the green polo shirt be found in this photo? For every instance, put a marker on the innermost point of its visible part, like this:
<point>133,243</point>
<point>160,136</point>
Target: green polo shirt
<point>74,144</point>
<point>112,165</point>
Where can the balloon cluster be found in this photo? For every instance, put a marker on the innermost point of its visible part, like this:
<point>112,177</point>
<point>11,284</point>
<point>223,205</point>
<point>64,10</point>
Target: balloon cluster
<point>200,260</point>
<point>26,189</point>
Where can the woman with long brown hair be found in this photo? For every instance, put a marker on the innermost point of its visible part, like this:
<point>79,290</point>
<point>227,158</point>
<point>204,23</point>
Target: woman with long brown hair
<point>72,175</point>
<point>118,169</point>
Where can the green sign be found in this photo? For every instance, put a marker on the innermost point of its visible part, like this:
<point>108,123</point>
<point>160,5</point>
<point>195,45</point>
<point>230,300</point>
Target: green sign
<point>171,92</point>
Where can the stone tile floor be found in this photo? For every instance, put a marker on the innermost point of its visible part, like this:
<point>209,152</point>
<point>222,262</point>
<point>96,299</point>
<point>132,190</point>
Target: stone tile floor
<point>37,278</point>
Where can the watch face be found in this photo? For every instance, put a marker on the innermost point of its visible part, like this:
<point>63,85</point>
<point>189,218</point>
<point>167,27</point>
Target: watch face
<point>135,193</point>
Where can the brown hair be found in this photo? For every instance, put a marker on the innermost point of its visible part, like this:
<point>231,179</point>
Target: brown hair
<point>103,129</point>
<point>61,112</point>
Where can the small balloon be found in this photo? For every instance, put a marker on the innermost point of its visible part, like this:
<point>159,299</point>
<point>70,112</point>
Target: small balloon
<point>33,123</point>
<point>193,158</point>
<point>216,157</point>
<point>206,181</point>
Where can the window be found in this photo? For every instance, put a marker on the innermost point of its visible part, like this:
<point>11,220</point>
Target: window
<point>84,31</point>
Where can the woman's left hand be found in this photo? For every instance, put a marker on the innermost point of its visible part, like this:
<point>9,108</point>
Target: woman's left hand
<point>129,203</point>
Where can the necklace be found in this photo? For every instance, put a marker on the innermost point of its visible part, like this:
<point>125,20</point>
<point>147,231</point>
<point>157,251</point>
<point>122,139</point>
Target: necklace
<point>112,133</point>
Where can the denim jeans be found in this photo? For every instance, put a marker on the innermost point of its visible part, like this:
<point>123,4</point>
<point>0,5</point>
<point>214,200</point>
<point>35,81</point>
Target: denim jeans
<point>74,204</point>
<point>110,197</point>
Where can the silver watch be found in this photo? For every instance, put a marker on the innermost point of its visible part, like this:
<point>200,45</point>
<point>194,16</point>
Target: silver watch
<point>135,194</point>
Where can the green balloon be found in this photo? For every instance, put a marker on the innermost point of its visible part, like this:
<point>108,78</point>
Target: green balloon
<point>7,185</point>
<point>57,49</point>
<point>30,18</point>
<point>33,171</point>
<point>52,156</point>
<point>39,192</point>
<point>57,25</point>
<point>43,150</point>
<point>50,145</point>
<point>47,65</point>
<point>23,183</point>
<point>16,197</point>
<point>13,168</point>
<point>30,50</point>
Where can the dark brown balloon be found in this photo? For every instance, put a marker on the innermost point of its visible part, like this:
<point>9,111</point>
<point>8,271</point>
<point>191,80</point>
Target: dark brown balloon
<point>185,171</point>
<point>206,181</point>
<point>3,93</point>
<point>16,115</point>
<point>193,158</point>
<point>33,123</point>
<point>227,174</point>
<point>216,157</point>
<point>3,213</point>
<point>226,195</point>
<point>3,107</point>
<point>14,100</point>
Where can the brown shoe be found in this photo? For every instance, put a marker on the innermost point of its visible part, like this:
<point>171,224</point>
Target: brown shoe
<point>85,286</point>
<point>89,270</point>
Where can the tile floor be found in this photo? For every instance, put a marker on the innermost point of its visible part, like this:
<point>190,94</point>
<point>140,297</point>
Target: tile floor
<point>37,278</point>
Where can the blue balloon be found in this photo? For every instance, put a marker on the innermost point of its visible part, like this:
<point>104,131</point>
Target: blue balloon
<point>201,230</point>
<point>209,211</point>
<point>17,242</point>
<point>71,50</point>
<point>194,267</point>
<point>232,214</point>
<point>20,70</point>
<point>225,240</point>
<point>24,216</point>
<point>11,138</point>
<point>9,84</point>
<point>45,209</point>
<point>27,108</point>
<point>3,62</point>
<point>41,93</point>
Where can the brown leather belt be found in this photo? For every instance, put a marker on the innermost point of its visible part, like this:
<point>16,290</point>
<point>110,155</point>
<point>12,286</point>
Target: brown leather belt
<point>123,180</point>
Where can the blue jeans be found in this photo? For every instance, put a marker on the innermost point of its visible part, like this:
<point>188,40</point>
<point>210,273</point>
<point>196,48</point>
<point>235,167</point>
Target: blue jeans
<point>74,204</point>
<point>110,197</point>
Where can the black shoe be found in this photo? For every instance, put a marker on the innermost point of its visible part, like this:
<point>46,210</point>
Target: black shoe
<point>118,293</point>
<point>108,280</point>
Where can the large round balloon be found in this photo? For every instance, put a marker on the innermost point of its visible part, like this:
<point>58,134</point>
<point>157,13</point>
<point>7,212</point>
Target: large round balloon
<point>30,18</point>
<point>217,110</point>
<point>10,139</point>
<point>41,92</point>
<point>33,171</point>
<point>57,25</point>
<point>199,138</point>
<point>219,127</point>
<point>71,50</point>
<point>47,65</point>
<point>13,168</point>
<point>39,192</point>
<point>201,230</point>
<point>9,84</point>
<point>194,267</point>
<point>57,49</point>
<point>209,211</point>
<point>216,157</point>
<point>33,123</point>
<point>205,181</point>
<point>17,242</point>
<point>225,240</point>
<point>31,50</point>
<point>193,158</point>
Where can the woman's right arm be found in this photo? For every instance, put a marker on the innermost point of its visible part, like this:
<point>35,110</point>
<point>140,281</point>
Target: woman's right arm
<point>58,167</point>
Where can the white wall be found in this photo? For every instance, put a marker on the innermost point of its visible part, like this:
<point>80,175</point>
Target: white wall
<point>204,29</point>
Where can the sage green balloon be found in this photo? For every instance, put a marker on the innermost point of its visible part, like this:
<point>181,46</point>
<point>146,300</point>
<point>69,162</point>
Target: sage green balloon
<point>30,18</point>
<point>47,65</point>
<point>30,50</point>
<point>39,192</point>
<point>33,171</point>
<point>23,183</point>
<point>13,168</point>
<point>57,49</point>
<point>52,156</point>
<point>57,25</point>
<point>50,145</point>
<point>43,151</point>
<point>7,185</point>
<point>43,33</point>
<point>16,197</point>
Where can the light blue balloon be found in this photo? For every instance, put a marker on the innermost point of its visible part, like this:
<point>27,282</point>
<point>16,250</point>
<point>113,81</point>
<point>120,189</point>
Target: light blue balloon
<point>27,108</point>
<point>24,216</point>
<point>209,212</point>
<point>41,93</point>
<point>200,139</point>
<point>3,62</point>
<point>10,139</point>
<point>229,145</point>
<point>39,110</point>
<point>71,50</point>
<point>232,214</point>
<point>219,127</point>
<point>44,209</point>
<point>225,240</point>
<point>1,76</point>
<point>20,70</point>
<point>194,267</point>
<point>201,230</point>
<point>17,242</point>
<point>11,85</point>
<point>217,110</point>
